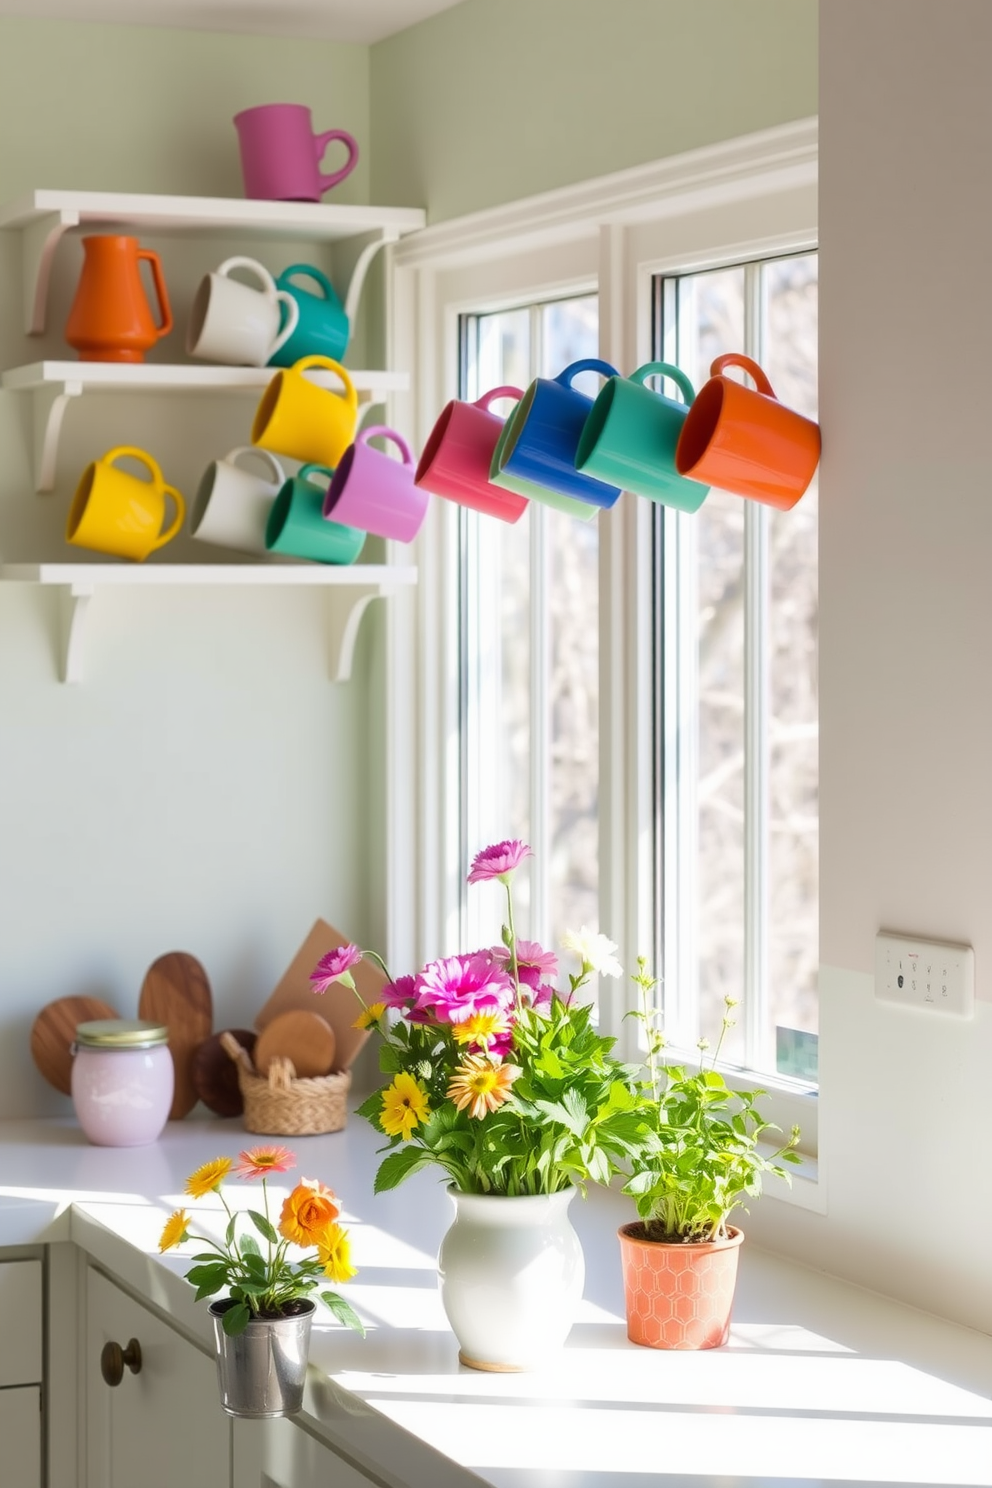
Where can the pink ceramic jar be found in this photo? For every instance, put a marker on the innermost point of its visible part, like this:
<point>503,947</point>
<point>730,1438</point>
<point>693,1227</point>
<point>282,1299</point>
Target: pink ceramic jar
<point>122,1081</point>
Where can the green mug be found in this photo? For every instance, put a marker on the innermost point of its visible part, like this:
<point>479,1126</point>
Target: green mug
<point>584,510</point>
<point>630,437</point>
<point>297,525</point>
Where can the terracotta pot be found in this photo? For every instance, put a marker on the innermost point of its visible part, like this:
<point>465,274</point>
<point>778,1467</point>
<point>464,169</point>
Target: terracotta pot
<point>678,1296</point>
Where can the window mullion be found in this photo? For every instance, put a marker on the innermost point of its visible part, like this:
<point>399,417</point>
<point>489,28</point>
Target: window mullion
<point>540,679</point>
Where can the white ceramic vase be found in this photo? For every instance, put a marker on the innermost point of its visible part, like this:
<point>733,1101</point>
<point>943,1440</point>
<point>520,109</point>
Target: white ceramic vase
<point>510,1272</point>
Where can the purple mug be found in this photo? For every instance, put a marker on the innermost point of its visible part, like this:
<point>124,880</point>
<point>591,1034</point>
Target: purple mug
<point>281,155</point>
<point>375,493</point>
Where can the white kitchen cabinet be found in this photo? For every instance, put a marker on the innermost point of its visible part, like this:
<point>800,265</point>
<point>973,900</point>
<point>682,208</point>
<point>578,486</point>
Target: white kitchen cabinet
<point>20,1373</point>
<point>20,1437</point>
<point>162,1426</point>
<point>280,1454</point>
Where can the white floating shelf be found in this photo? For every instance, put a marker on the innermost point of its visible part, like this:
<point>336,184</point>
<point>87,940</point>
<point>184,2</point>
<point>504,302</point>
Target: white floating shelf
<point>43,218</point>
<point>52,384</point>
<point>350,590</point>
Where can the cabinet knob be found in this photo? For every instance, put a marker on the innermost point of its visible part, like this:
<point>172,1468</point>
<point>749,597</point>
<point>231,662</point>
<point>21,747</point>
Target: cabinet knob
<point>113,1358</point>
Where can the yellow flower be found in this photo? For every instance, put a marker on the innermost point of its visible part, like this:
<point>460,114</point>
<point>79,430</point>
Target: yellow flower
<point>369,1015</point>
<point>208,1178</point>
<point>482,1027</point>
<point>334,1254</point>
<point>174,1231</point>
<point>404,1106</point>
<point>481,1084</point>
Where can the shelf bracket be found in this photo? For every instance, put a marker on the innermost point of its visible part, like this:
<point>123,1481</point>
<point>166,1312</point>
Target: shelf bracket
<point>48,411</point>
<point>358,273</point>
<point>40,240</point>
<point>74,603</point>
<point>346,606</point>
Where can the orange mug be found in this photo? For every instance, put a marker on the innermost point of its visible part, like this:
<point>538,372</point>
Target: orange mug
<point>746,442</point>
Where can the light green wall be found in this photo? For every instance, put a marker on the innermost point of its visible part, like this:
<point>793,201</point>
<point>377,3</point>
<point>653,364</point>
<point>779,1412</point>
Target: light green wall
<point>499,99</point>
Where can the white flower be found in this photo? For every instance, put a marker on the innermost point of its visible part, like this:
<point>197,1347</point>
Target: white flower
<point>595,951</point>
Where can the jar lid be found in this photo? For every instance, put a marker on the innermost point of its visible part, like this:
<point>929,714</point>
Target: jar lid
<point>121,1033</point>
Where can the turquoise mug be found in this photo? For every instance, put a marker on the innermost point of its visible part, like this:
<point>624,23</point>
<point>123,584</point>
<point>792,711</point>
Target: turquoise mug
<point>547,424</point>
<point>584,510</point>
<point>322,328</point>
<point>631,434</point>
<point>297,525</point>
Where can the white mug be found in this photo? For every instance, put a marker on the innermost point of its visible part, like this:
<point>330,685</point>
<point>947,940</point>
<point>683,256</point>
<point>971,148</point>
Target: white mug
<point>232,505</point>
<point>236,324</point>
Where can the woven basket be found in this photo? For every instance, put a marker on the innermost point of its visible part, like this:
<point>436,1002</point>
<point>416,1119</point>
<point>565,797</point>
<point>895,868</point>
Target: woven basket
<point>281,1105</point>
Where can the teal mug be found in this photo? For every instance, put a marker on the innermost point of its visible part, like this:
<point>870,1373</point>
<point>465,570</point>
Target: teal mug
<point>630,437</point>
<point>322,328</point>
<point>297,525</point>
<point>501,477</point>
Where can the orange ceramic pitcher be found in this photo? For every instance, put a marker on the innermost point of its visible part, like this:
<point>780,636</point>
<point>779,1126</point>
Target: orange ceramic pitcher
<point>111,319</point>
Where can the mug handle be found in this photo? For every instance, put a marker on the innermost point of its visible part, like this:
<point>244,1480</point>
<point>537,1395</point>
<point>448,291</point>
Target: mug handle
<point>165,309</point>
<point>738,359</point>
<point>391,434</point>
<point>170,532</point>
<point>254,267</point>
<point>309,272</point>
<point>112,456</point>
<point>494,395</point>
<point>321,142</point>
<point>666,369</point>
<point>263,454</point>
<point>304,472</point>
<point>351,396</point>
<point>292,321</point>
<point>588,364</point>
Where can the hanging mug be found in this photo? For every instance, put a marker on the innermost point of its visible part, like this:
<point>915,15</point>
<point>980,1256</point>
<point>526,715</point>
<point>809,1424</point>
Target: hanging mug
<point>235,323</point>
<point>584,511</point>
<point>232,504</point>
<point>746,442</point>
<point>376,493</point>
<point>299,418</point>
<point>630,437</point>
<point>458,454</point>
<point>297,526</point>
<point>322,327</point>
<point>115,512</point>
<point>541,443</point>
<point>281,155</point>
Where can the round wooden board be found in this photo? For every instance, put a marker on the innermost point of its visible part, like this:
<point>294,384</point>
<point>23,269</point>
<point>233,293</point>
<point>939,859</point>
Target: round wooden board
<point>301,1036</point>
<point>176,992</point>
<point>215,1075</point>
<point>53,1033</point>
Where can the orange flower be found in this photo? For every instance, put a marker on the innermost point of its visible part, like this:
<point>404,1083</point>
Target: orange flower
<point>308,1212</point>
<point>481,1084</point>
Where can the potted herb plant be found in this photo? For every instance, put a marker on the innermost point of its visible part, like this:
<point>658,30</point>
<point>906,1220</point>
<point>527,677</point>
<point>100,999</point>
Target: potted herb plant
<point>501,1081</point>
<point>262,1325</point>
<point>702,1153</point>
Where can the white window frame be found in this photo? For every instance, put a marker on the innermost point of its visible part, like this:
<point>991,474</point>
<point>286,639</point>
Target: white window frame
<point>743,199</point>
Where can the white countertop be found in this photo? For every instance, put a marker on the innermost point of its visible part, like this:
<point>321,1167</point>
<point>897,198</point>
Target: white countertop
<point>820,1381</point>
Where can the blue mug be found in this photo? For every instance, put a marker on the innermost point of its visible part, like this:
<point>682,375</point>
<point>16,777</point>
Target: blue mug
<point>322,328</point>
<point>542,441</point>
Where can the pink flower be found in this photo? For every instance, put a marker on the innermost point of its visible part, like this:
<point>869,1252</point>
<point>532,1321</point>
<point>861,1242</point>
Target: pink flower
<point>257,1162</point>
<point>402,994</point>
<point>453,989</point>
<point>498,861</point>
<point>533,962</point>
<point>335,967</point>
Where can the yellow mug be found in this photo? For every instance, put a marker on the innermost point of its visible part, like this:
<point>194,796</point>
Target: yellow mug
<point>307,422</point>
<point>114,512</point>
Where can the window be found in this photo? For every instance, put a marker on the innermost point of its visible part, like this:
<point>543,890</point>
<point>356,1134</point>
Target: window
<point>529,649</point>
<point>736,678</point>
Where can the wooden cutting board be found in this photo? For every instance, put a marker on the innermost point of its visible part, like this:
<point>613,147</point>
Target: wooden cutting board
<point>53,1033</point>
<point>215,1075</point>
<point>339,1006</point>
<point>176,992</point>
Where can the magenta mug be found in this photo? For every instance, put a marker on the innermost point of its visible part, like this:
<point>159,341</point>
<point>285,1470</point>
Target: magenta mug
<point>375,493</point>
<point>459,451</point>
<point>281,155</point>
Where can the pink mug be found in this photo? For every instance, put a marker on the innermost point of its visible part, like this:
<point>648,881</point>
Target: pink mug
<point>459,451</point>
<point>375,493</point>
<point>281,155</point>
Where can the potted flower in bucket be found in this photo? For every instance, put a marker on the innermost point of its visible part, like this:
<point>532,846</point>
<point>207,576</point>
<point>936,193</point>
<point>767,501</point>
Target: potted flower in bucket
<point>698,1159</point>
<point>503,1082</point>
<point>262,1326</point>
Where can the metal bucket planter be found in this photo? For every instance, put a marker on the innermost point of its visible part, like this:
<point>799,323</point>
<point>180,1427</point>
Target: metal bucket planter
<point>262,1371</point>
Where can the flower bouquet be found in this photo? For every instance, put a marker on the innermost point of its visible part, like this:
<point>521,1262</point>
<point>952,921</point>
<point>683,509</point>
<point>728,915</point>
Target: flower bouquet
<point>262,1325</point>
<point>503,1082</point>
